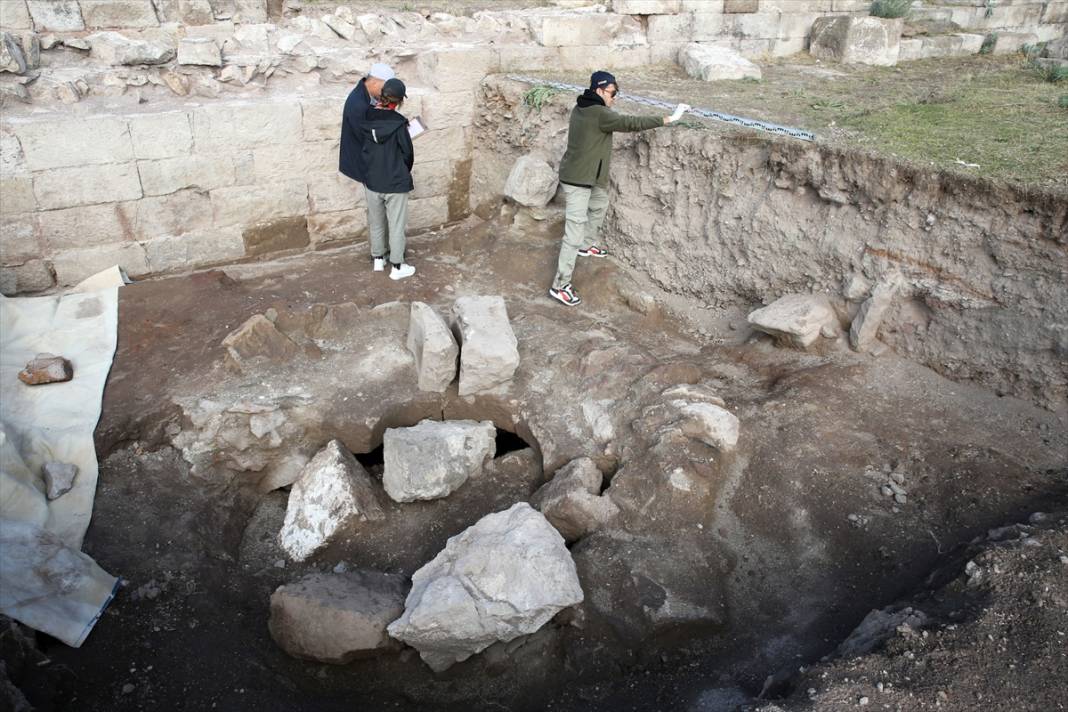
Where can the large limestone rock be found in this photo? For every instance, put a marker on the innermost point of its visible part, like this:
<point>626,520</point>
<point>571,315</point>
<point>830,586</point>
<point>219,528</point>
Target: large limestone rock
<point>856,40</point>
<point>647,7</point>
<point>11,57</point>
<point>336,618</point>
<point>532,182</point>
<point>432,459</point>
<point>713,62</point>
<point>795,319</point>
<point>1057,49</point>
<point>258,337</point>
<point>489,353</point>
<point>117,49</point>
<point>711,424</point>
<point>865,327</point>
<point>504,577</point>
<point>199,50</point>
<point>56,15</point>
<point>334,495</point>
<point>572,500</point>
<point>434,348</point>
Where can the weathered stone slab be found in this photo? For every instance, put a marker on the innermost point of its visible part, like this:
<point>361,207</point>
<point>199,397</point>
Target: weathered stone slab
<point>201,51</point>
<point>164,135</point>
<point>432,459</point>
<point>432,179</point>
<point>337,618</point>
<point>572,500</point>
<point>711,424</point>
<point>489,353</point>
<point>444,109</point>
<point>11,57</point>
<point>865,327</point>
<point>713,63</point>
<point>456,68</point>
<point>276,235</point>
<point>85,140</point>
<point>229,126</point>
<point>1011,42</point>
<point>333,496</point>
<point>856,40</point>
<point>193,249</point>
<point>86,226</point>
<point>18,239</point>
<point>321,118</point>
<point>259,338</point>
<point>434,348</point>
<point>504,577</point>
<point>56,15</point>
<point>46,368</point>
<point>59,478</point>
<point>428,212</point>
<point>15,16</point>
<point>646,7</point>
<point>245,205</point>
<point>72,266</point>
<point>172,174</point>
<point>118,13</point>
<point>531,182</point>
<point>117,49</point>
<point>86,185</point>
<point>586,29</point>
<point>18,194</point>
<point>31,276</point>
<point>340,226</point>
<point>795,318</point>
<point>331,191</point>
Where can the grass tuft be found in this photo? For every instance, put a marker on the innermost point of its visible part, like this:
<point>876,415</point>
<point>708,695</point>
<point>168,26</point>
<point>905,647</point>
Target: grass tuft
<point>1049,72</point>
<point>538,96</point>
<point>1063,101</point>
<point>890,9</point>
<point>988,43</point>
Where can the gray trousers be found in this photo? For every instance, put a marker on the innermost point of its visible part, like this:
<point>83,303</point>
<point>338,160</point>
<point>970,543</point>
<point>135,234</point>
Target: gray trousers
<point>584,212</point>
<point>387,215</point>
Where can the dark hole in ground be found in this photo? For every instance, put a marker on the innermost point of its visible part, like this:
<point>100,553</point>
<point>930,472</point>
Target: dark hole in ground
<point>372,461</point>
<point>508,441</point>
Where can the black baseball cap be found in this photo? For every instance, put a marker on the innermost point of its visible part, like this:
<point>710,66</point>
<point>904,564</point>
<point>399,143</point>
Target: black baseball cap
<point>394,89</point>
<point>601,79</point>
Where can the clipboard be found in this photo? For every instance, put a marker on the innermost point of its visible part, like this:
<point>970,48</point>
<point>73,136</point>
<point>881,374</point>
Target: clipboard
<point>416,127</point>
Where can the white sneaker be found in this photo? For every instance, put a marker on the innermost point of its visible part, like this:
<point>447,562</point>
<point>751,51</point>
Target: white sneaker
<point>379,264</point>
<point>405,270</point>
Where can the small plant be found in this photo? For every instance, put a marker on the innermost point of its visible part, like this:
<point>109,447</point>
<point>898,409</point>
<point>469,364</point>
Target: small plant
<point>1031,51</point>
<point>1063,101</point>
<point>1049,72</point>
<point>538,96</point>
<point>890,9</point>
<point>821,104</point>
<point>988,43</point>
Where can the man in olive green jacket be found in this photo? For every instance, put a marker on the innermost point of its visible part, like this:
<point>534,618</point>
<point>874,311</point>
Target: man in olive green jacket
<point>584,174</point>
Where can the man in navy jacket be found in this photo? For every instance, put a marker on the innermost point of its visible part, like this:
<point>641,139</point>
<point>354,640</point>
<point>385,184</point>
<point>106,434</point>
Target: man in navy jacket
<point>364,95</point>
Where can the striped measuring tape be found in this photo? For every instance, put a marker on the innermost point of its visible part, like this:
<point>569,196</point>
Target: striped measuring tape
<point>705,113</point>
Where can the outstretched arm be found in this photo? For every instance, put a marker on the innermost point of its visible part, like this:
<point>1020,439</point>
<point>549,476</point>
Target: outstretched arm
<point>610,121</point>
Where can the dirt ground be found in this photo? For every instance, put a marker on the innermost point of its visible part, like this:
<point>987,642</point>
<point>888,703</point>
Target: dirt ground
<point>803,542</point>
<point>994,112</point>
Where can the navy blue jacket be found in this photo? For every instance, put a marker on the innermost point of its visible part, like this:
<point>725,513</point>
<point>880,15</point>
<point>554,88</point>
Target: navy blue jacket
<point>388,154</point>
<point>350,160</point>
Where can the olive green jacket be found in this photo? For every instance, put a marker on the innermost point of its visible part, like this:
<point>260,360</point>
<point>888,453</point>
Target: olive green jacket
<point>589,140</point>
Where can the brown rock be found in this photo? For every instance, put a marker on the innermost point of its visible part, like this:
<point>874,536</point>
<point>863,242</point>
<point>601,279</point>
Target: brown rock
<point>259,337</point>
<point>46,368</point>
<point>59,478</point>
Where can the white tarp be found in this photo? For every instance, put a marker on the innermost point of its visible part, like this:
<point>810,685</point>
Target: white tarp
<point>45,580</point>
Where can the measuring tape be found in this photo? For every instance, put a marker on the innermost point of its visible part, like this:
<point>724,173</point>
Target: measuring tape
<point>705,113</point>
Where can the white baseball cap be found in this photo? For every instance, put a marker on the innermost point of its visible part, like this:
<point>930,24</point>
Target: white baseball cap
<point>381,71</point>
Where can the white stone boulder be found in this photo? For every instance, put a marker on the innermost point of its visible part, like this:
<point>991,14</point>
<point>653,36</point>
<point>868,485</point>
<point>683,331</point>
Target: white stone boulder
<point>201,51</point>
<point>434,348</point>
<point>117,49</point>
<point>714,62</point>
<point>865,327</point>
<point>336,618</point>
<point>432,459</point>
<point>572,500</point>
<point>532,182</point>
<point>795,319</point>
<point>711,424</point>
<point>489,353</point>
<point>334,495</point>
<point>504,577</point>
<point>851,39</point>
<point>647,7</point>
<point>11,57</point>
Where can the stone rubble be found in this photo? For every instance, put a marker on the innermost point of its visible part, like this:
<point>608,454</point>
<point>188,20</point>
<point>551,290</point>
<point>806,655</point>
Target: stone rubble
<point>46,368</point>
<point>434,348</point>
<point>257,338</point>
<point>334,496</point>
<point>339,617</point>
<point>117,49</point>
<point>504,577</point>
<point>432,459</point>
<point>572,500</point>
<point>201,51</point>
<point>489,353</point>
<point>795,319</point>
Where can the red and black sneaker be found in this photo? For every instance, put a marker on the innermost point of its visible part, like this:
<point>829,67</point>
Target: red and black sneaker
<point>565,295</point>
<point>593,251</point>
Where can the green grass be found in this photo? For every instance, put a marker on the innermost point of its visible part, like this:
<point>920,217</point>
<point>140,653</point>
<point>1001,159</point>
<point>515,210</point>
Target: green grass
<point>537,96</point>
<point>890,8</point>
<point>1008,124</point>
